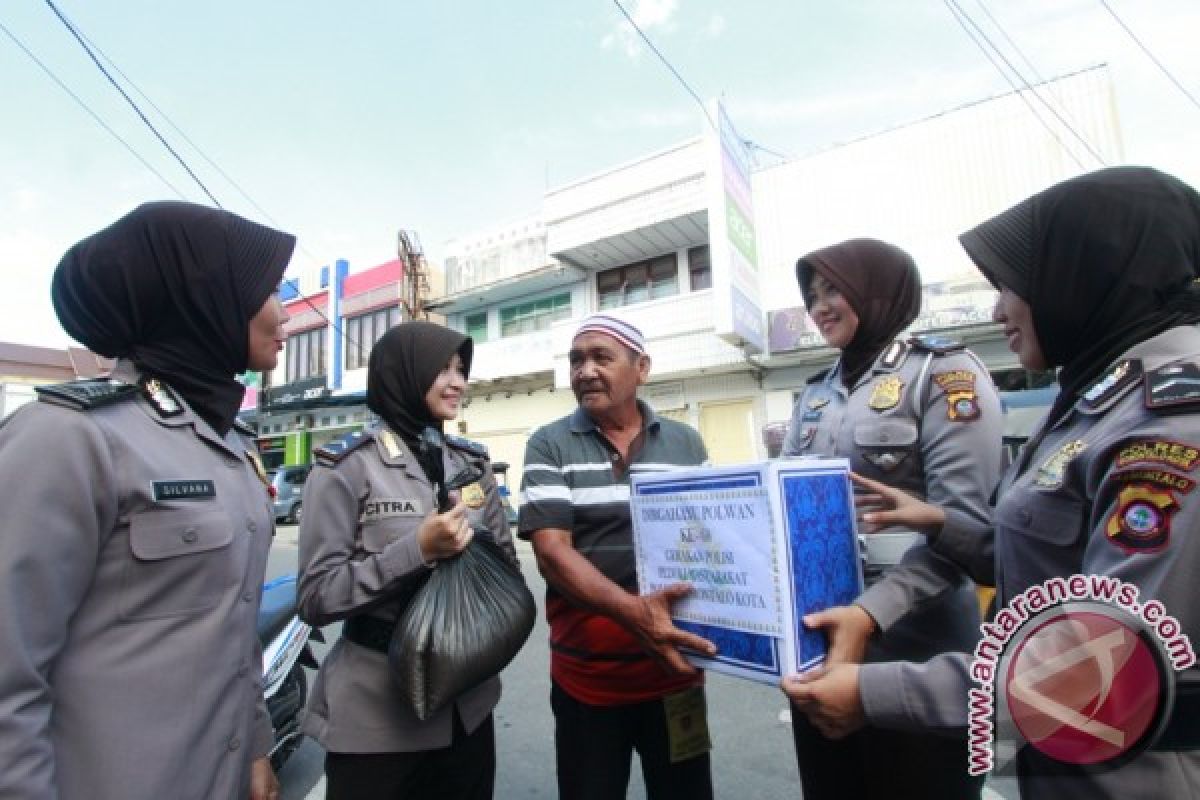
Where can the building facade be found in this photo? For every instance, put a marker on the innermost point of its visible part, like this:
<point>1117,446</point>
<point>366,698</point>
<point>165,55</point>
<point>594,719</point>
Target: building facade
<point>25,367</point>
<point>698,249</point>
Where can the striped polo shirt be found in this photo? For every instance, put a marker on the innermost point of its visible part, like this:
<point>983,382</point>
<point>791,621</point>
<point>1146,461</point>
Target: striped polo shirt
<point>574,479</point>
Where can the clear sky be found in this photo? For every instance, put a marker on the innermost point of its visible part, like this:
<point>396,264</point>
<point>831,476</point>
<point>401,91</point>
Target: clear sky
<point>346,121</point>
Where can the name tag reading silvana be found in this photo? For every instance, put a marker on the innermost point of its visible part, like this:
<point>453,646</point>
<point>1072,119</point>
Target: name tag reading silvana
<point>183,490</point>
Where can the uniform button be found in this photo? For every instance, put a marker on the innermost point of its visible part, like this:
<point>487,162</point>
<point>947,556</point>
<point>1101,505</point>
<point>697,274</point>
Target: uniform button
<point>190,535</point>
<point>250,526</point>
<point>234,743</point>
<point>247,598</point>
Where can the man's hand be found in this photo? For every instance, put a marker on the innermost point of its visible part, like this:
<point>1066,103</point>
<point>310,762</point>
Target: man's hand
<point>829,697</point>
<point>848,629</point>
<point>444,535</point>
<point>650,621</point>
<point>263,783</point>
<point>896,507</point>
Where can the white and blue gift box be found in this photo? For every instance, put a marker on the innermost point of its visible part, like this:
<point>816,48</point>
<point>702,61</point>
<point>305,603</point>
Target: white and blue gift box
<point>762,545</point>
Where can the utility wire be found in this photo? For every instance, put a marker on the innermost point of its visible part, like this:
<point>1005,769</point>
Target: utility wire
<point>129,100</point>
<point>666,63</point>
<point>955,11</point>
<point>177,129</point>
<point>91,113</point>
<point>1060,117</point>
<point>1150,55</point>
<point>84,42</point>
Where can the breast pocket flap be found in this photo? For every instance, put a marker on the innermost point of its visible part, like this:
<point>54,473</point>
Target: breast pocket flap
<point>891,434</point>
<point>156,535</point>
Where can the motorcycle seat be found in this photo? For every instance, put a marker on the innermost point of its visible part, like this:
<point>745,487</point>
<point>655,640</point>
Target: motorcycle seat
<point>277,608</point>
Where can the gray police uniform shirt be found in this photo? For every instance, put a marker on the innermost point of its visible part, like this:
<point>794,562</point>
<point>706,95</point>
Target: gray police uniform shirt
<point>1082,505</point>
<point>925,418</point>
<point>131,567</point>
<point>358,545</point>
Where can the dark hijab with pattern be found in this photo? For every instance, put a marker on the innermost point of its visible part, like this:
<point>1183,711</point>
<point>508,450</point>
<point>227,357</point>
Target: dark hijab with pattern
<point>1104,260</point>
<point>403,365</point>
<point>879,281</point>
<point>172,287</point>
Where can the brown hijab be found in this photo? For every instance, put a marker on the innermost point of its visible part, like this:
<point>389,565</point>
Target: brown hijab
<point>879,281</point>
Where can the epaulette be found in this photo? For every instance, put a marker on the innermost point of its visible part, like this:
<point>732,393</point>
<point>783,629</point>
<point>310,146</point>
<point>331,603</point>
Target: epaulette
<point>935,343</point>
<point>466,445</point>
<point>894,355</point>
<point>1172,387</point>
<point>820,376</point>
<point>244,428</point>
<point>332,452</point>
<point>87,394</point>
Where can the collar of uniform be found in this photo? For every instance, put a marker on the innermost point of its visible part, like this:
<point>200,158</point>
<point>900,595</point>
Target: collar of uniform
<point>1171,345</point>
<point>392,448</point>
<point>126,371</point>
<point>581,422</point>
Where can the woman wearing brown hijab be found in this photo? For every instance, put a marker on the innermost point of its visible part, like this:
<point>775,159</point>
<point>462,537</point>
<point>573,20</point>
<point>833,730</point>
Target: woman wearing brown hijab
<point>1098,278</point>
<point>136,526</point>
<point>921,415</point>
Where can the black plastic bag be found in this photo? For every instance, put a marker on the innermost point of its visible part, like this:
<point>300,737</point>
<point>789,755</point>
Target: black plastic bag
<point>465,625</point>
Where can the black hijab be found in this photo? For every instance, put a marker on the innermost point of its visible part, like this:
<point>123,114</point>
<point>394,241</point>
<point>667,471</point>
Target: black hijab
<point>172,286</point>
<point>879,281</point>
<point>1104,260</point>
<point>403,365</point>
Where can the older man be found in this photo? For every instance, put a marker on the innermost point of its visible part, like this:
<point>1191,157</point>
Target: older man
<point>618,682</point>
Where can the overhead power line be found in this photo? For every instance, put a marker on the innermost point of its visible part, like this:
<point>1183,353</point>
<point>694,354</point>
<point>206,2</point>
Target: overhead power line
<point>1162,67</point>
<point>687,87</point>
<point>961,18</point>
<point>90,112</point>
<point>66,23</point>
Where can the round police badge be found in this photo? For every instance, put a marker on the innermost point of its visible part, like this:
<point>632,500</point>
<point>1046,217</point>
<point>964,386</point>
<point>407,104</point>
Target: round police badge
<point>473,495</point>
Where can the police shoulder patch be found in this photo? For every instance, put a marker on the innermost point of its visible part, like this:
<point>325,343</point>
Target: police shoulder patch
<point>935,343</point>
<point>467,446</point>
<point>1173,386</point>
<point>86,394</point>
<point>1111,385</point>
<point>332,452</point>
<point>893,356</point>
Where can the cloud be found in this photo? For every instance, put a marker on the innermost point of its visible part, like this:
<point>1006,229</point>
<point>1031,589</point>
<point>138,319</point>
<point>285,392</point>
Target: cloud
<point>647,15</point>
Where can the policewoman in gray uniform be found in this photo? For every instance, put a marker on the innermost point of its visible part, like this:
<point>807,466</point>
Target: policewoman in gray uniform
<point>1105,487</point>
<point>921,415</point>
<point>137,523</point>
<point>371,529</point>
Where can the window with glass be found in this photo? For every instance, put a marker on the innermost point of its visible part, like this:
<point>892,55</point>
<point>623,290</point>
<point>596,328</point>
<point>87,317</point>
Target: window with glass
<point>637,283</point>
<point>364,330</point>
<point>306,355</point>
<point>477,326</point>
<point>699,268</point>
<point>535,315</point>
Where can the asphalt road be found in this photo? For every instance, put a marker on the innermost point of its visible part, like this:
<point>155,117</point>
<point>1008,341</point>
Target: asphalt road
<point>752,746</point>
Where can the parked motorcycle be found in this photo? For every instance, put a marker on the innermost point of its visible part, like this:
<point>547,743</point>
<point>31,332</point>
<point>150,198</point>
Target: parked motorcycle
<point>286,652</point>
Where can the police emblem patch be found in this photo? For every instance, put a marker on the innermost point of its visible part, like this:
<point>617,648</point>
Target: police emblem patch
<point>1141,522</point>
<point>1050,473</point>
<point>885,393</point>
<point>1167,453</point>
<point>473,496</point>
<point>962,404</point>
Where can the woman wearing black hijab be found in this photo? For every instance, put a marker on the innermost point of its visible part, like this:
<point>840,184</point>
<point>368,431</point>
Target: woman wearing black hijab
<point>1097,277</point>
<point>377,519</point>
<point>136,526</point>
<point>923,416</point>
